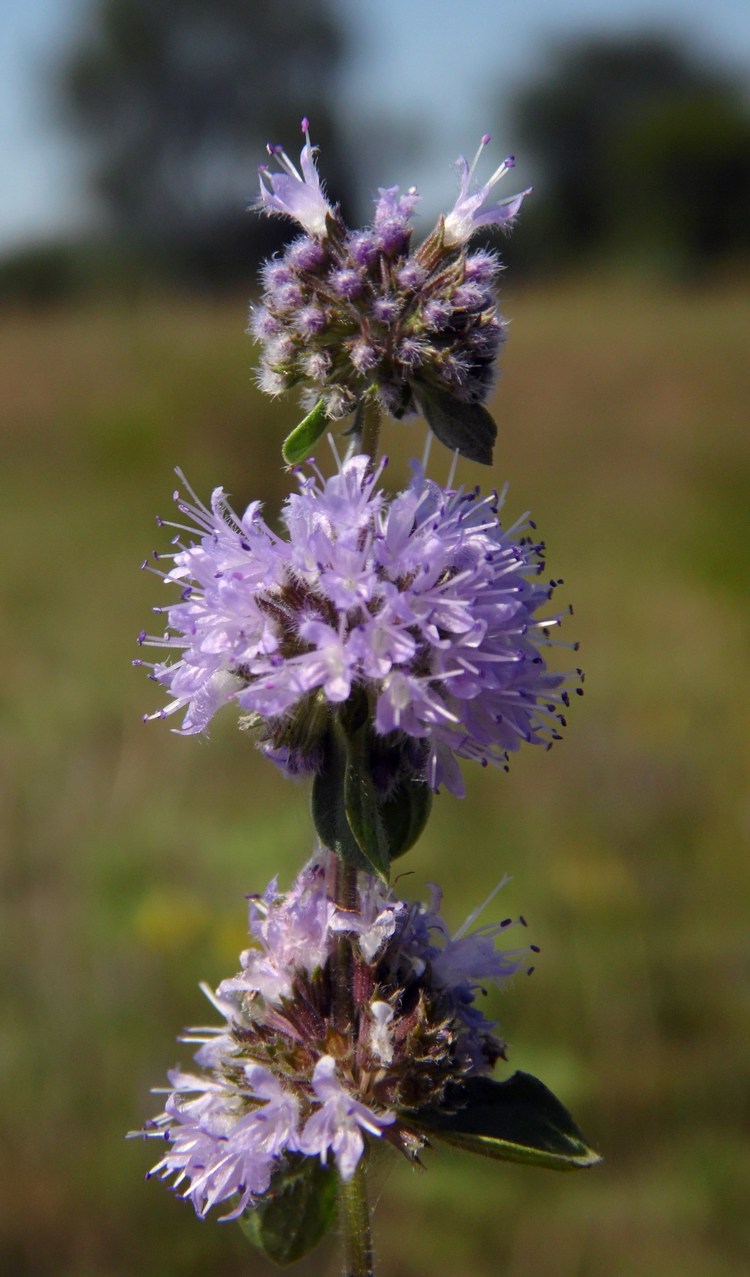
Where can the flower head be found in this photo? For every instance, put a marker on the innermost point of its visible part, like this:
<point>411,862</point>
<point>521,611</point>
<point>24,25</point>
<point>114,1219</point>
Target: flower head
<point>469,211</point>
<point>346,314</point>
<point>422,606</point>
<point>297,195</point>
<point>283,1075</point>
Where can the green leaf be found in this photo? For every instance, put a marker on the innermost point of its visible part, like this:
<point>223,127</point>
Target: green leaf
<point>295,1213</point>
<point>361,805</point>
<point>515,1121</point>
<point>466,427</point>
<point>327,801</point>
<point>405,815</point>
<point>300,443</point>
<point>349,815</point>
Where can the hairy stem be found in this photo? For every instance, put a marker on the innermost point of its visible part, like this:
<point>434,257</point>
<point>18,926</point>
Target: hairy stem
<point>354,1225</point>
<point>346,885</point>
<point>370,428</point>
<point>345,895</point>
<point>354,1212</point>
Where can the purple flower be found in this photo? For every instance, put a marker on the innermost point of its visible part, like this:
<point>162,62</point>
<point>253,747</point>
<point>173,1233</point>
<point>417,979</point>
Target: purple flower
<point>469,211</point>
<point>311,320</point>
<point>425,320</point>
<point>339,1122</point>
<point>461,965</point>
<point>390,206</point>
<point>412,275</point>
<point>482,266</point>
<point>374,921</point>
<point>387,309</point>
<point>422,603</point>
<point>363,248</point>
<point>347,283</point>
<point>437,313</point>
<point>364,355</point>
<point>262,325</point>
<point>306,254</point>
<point>298,195</point>
<point>225,1140</point>
<point>268,1084</point>
<point>393,213</point>
<point>292,934</point>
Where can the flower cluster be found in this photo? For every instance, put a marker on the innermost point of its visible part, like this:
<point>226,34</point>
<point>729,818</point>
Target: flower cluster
<point>374,642</point>
<point>293,1071</point>
<point>421,605</point>
<point>348,312</point>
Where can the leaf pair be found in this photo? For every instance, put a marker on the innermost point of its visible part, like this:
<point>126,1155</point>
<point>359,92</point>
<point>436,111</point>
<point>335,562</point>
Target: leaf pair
<point>350,817</point>
<point>466,428</point>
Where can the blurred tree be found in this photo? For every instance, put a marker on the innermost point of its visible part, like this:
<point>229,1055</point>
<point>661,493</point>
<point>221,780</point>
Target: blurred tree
<point>640,147</point>
<point>680,183</point>
<point>175,99</point>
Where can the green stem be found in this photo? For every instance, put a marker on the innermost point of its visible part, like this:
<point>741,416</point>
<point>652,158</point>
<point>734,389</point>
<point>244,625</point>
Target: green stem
<point>370,433</point>
<point>345,893</point>
<point>354,1212</point>
<point>354,1224</point>
<point>346,884</point>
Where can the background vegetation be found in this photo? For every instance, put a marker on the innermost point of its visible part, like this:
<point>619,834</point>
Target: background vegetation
<point>127,850</point>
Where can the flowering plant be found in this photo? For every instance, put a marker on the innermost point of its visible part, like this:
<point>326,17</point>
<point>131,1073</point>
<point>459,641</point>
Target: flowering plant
<point>373,645</point>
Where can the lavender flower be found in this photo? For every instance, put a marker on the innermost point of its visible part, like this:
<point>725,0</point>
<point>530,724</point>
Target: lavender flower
<point>338,1124</point>
<point>253,1107</point>
<point>298,195</point>
<point>284,1075</point>
<point>421,605</point>
<point>363,315</point>
<point>469,212</point>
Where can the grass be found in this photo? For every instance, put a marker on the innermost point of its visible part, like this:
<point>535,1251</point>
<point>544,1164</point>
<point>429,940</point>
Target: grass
<point>126,850</point>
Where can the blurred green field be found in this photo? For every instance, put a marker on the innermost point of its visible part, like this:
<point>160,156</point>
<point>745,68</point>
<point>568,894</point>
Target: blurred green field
<point>126,850</point>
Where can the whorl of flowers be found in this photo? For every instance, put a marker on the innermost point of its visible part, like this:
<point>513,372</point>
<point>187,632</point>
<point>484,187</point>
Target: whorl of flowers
<point>347,312</point>
<point>293,1072</point>
<point>421,605</point>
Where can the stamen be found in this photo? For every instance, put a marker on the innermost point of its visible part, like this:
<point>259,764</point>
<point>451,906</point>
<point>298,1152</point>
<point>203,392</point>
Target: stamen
<point>508,163</point>
<point>486,139</point>
<point>481,908</point>
<point>278,152</point>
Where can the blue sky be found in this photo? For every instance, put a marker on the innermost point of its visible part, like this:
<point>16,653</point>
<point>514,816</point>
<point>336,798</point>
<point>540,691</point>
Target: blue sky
<point>426,70</point>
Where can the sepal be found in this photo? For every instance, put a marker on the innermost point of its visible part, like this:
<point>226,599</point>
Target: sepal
<point>519,1120</point>
<point>295,1213</point>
